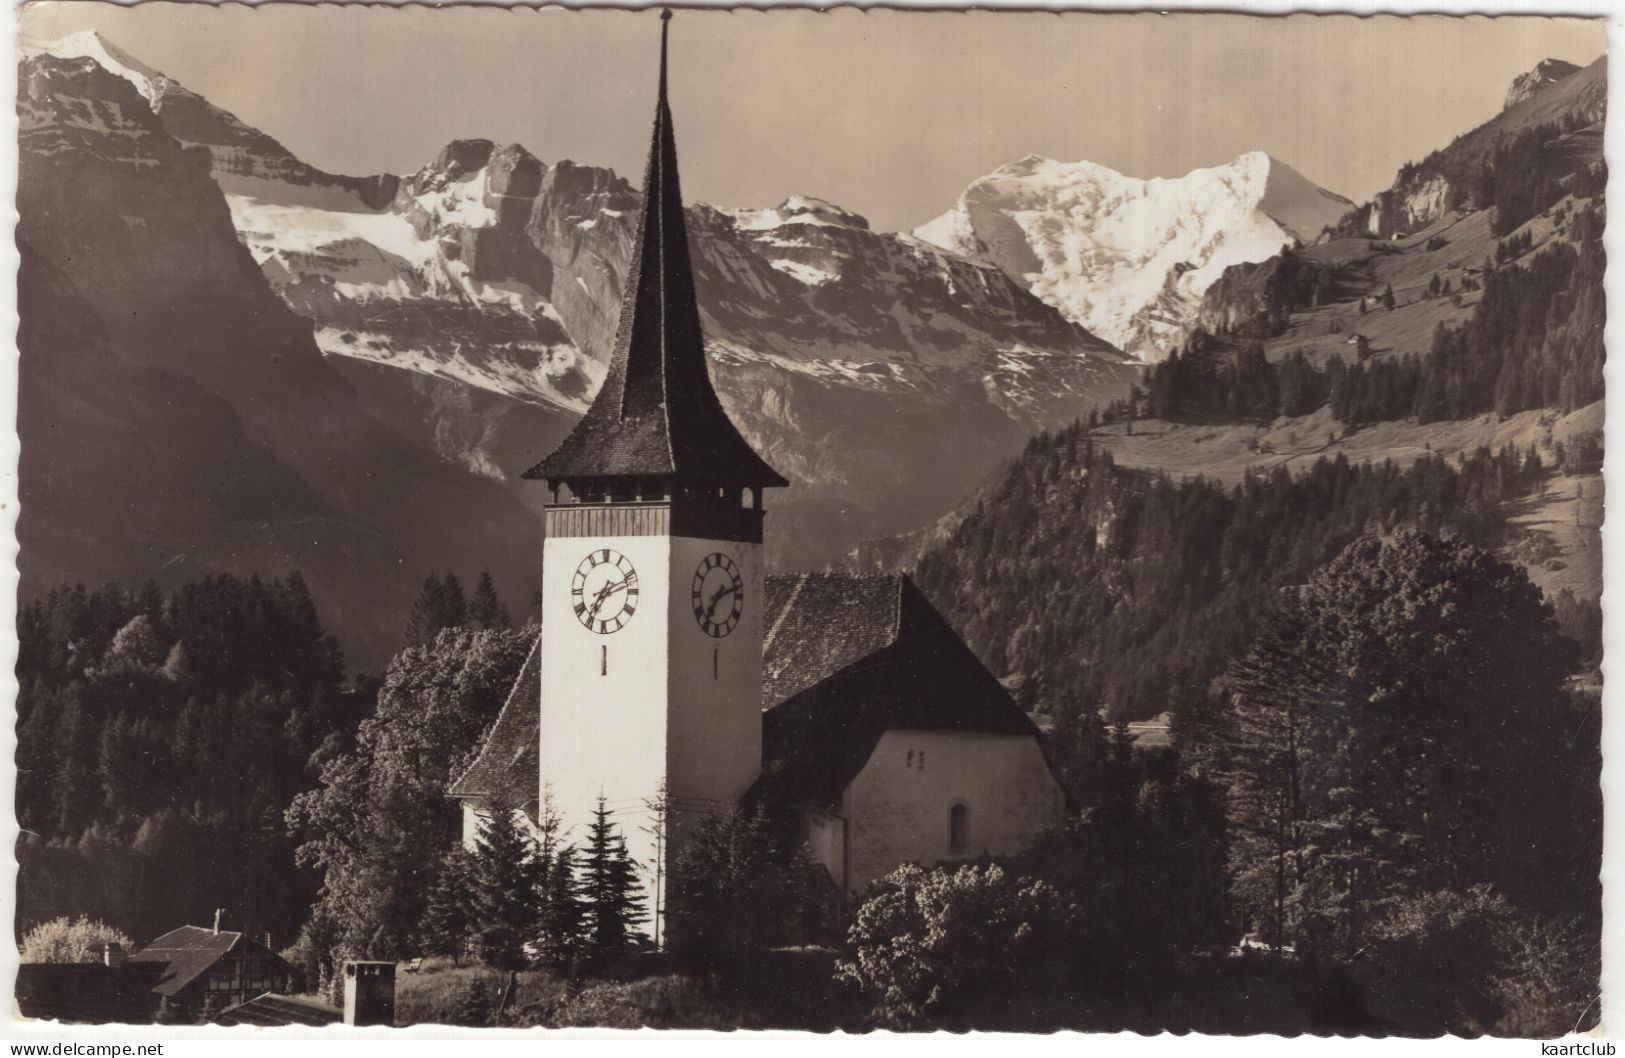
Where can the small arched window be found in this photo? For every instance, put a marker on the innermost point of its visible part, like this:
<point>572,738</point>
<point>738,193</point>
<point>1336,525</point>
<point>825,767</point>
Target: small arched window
<point>958,829</point>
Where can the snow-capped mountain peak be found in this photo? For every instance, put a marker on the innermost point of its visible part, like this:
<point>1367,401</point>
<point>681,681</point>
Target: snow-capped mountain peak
<point>1127,258</point>
<point>90,44</point>
<point>798,209</point>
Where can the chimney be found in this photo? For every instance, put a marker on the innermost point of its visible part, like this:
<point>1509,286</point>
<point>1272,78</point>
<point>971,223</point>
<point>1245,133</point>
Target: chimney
<point>113,955</point>
<point>369,993</point>
<point>217,920</point>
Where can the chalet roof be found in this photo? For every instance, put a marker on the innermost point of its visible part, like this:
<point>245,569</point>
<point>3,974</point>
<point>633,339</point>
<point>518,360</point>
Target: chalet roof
<point>188,952</point>
<point>657,413</point>
<point>506,768</point>
<point>848,658</point>
<point>86,993</point>
<point>272,1010</point>
<point>845,659</point>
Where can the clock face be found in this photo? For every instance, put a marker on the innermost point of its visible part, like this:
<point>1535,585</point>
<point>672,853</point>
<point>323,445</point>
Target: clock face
<point>719,595</point>
<point>604,592</point>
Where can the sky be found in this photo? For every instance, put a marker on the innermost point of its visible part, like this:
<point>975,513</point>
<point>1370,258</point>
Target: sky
<point>886,113</point>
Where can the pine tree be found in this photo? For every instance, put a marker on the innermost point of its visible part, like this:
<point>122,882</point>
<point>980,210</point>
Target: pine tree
<point>611,892</point>
<point>439,605</point>
<point>449,919</point>
<point>456,612</point>
<point>1388,296</point>
<point>562,923</point>
<point>1382,715</point>
<point>737,889</point>
<point>428,610</point>
<point>486,610</point>
<point>505,890</point>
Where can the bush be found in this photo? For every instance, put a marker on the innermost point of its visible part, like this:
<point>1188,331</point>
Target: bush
<point>474,1005</point>
<point>1549,985</point>
<point>944,947</point>
<point>737,889</point>
<point>1471,962</point>
<point>70,940</point>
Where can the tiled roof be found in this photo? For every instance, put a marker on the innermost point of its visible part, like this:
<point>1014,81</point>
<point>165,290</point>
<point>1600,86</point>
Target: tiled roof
<point>845,658</point>
<point>657,413</point>
<point>86,993</point>
<point>186,953</point>
<point>507,765</point>
<point>849,658</point>
<point>816,624</point>
<point>272,1010</point>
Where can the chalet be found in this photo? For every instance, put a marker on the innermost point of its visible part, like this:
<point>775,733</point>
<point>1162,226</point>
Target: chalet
<point>199,972</point>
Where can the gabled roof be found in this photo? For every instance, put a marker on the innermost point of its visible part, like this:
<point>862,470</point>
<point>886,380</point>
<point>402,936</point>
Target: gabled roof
<point>86,993</point>
<point>847,659</point>
<point>508,764</point>
<point>185,954</point>
<point>657,413</point>
<point>816,624</point>
<point>272,1010</point>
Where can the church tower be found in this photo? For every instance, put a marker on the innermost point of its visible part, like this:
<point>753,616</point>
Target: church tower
<point>651,654</point>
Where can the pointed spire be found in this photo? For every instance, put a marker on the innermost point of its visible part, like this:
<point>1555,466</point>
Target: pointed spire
<point>657,413</point>
<point>665,27</point>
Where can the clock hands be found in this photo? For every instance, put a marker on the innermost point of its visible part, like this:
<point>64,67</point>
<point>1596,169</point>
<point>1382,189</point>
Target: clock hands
<point>602,575</point>
<point>603,595</point>
<point>725,590</point>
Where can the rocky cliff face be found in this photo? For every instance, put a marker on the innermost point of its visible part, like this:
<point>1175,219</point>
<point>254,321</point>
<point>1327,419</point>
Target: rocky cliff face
<point>1130,259</point>
<point>1568,103</point>
<point>495,270</point>
<point>882,374</point>
<point>176,418</point>
<point>1549,72</point>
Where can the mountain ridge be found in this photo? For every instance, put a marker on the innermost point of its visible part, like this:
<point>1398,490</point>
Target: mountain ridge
<point>1128,258</point>
<point>876,371</point>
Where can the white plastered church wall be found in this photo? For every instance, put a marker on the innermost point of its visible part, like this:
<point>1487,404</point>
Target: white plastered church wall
<point>899,807</point>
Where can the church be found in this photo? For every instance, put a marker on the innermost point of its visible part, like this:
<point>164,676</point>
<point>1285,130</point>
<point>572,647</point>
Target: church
<point>675,678</point>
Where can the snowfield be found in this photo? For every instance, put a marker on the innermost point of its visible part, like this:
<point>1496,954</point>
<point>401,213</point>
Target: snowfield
<point>1129,259</point>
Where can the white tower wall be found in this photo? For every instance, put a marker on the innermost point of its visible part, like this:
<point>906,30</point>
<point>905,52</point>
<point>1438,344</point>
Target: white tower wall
<point>658,704</point>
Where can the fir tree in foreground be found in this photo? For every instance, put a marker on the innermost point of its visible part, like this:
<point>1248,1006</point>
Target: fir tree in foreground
<point>737,889</point>
<point>506,890</point>
<point>450,917</point>
<point>563,915</point>
<point>610,891</point>
<point>1412,786</point>
<point>474,1005</point>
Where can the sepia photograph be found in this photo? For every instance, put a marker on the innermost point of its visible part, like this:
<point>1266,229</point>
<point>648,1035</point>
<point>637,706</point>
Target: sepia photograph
<point>826,521</point>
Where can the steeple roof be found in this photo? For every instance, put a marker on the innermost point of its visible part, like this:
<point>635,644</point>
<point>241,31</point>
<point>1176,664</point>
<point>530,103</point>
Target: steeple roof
<point>657,413</point>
